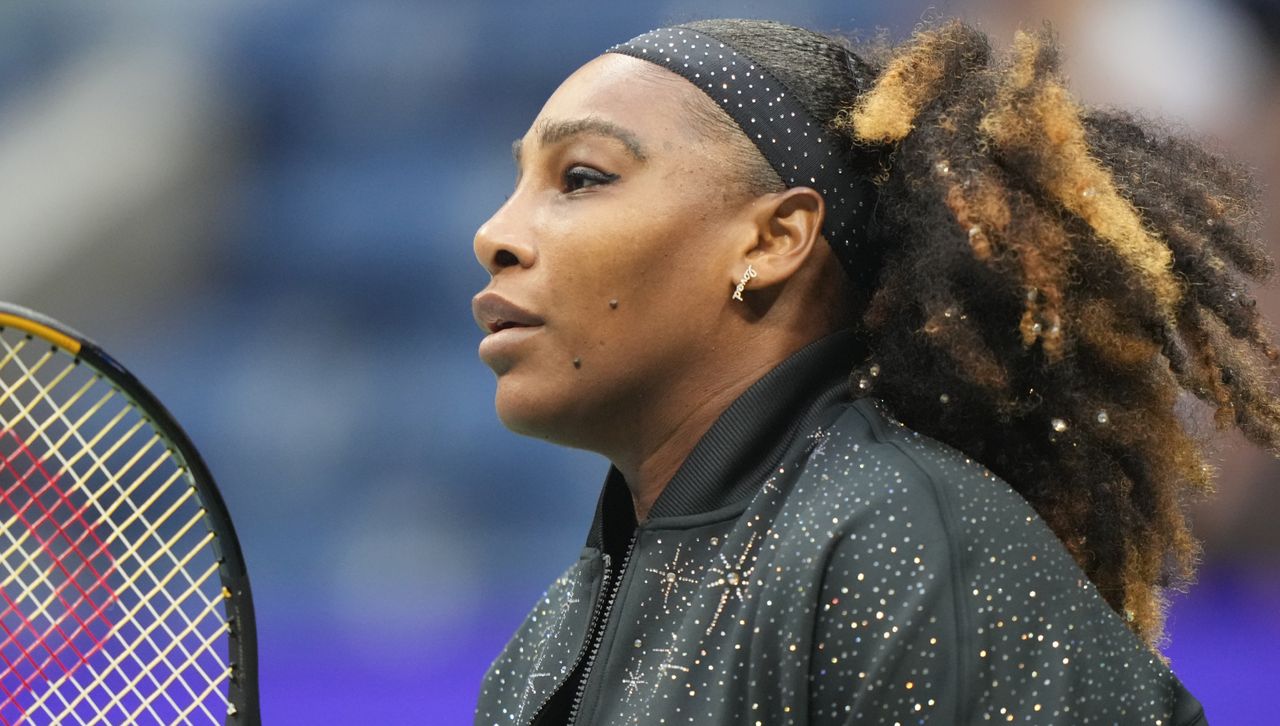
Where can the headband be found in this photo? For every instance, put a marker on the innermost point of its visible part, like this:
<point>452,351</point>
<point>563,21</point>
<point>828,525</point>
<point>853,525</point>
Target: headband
<point>798,147</point>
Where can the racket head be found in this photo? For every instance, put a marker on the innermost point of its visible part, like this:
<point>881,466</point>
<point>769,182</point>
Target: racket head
<point>124,590</point>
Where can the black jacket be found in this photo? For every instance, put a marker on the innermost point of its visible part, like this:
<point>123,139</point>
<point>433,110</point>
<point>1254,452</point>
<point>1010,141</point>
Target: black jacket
<point>815,562</point>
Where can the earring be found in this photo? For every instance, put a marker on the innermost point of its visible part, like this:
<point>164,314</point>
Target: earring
<point>742,284</point>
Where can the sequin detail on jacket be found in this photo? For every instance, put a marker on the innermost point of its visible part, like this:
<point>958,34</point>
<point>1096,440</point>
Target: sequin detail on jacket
<point>871,576</point>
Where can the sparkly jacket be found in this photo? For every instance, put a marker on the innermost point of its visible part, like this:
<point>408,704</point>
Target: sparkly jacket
<point>813,561</point>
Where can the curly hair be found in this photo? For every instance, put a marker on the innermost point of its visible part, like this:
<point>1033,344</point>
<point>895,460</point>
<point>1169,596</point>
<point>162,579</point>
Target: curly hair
<point>1086,268</point>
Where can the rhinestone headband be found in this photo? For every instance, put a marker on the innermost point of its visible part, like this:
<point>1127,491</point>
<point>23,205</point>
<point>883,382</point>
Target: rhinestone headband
<point>796,145</point>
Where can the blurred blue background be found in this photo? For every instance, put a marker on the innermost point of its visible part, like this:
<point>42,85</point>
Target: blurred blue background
<point>266,209</point>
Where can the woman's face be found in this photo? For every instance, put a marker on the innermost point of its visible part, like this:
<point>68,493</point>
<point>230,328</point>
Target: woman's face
<point>617,252</point>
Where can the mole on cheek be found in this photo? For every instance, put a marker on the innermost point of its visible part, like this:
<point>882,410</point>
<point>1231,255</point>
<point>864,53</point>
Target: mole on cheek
<point>613,303</point>
<point>577,362</point>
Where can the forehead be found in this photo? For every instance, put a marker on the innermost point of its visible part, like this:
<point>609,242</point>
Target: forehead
<point>646,99</point>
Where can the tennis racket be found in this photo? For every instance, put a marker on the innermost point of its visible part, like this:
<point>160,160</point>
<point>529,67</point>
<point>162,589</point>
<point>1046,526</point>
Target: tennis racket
<point>123,594</point>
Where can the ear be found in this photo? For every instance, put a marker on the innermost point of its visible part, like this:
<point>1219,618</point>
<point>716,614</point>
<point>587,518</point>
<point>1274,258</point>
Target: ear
<point>787,225</point>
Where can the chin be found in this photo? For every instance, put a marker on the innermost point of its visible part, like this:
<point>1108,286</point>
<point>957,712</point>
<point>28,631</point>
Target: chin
<point>526,410</point>
<point>539,412</point>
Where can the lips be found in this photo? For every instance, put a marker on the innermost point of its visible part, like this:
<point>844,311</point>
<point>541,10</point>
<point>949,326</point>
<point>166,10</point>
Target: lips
<point>494,313</point>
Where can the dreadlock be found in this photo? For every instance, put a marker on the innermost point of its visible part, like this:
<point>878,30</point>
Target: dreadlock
<point>1087,273</point>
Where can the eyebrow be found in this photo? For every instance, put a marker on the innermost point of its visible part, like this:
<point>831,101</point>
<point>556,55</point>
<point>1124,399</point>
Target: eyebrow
<point>556,131</point>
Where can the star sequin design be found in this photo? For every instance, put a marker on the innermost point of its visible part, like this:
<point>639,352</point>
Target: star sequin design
<point>734,579</point>
<point>535,676</point>
<point>671,576</point>
<point>566,607</point>
<point>771,485</point>
<point>550,633</point>
<point>818,441</point>
<point>669,654</point>
<point>632,682</point>
<point>530,688</point>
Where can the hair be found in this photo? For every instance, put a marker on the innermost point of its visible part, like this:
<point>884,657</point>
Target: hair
<point>1087,270</point>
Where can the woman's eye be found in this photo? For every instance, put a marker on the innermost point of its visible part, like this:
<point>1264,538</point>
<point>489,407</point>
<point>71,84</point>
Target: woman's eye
<point>582,177</point>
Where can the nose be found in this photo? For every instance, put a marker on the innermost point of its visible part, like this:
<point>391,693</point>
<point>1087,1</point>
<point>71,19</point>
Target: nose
<point>503,242</point>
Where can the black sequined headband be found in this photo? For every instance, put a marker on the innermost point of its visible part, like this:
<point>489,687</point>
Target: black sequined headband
<point>799,148</point>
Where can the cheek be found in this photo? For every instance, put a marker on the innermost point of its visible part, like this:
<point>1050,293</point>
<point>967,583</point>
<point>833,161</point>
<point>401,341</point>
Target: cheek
<point>592,253</point>
<point>652,273</point>
<point>654,249</point>
<point>662,315</point>
<point>667,306</point>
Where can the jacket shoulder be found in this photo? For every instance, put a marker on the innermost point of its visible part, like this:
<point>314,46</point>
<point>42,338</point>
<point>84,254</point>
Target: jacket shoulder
<point>995,600</point>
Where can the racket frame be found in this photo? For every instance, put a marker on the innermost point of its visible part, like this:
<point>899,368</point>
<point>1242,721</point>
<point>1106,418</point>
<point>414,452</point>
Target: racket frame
<point>242,642</point>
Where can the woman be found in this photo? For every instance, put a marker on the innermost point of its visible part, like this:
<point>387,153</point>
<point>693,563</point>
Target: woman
<point>713,225</point>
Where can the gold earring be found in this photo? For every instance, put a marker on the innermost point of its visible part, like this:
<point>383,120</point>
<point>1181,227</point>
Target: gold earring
<point>742,284</point>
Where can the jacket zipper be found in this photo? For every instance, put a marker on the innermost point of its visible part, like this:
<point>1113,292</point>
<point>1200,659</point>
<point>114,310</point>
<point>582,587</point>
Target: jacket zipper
<point>600,607</point>
<point>597,637</point>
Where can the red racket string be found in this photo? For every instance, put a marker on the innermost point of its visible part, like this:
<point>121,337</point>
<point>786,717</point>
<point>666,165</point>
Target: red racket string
<point>174,608</point>
<point>61,528</point>
<point>50,545</point>
<point>47,515</point>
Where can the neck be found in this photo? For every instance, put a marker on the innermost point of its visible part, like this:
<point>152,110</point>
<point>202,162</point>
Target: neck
<point>651,456</point>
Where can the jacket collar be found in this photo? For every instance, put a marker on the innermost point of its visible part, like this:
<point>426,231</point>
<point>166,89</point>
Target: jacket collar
<point>744,444</point>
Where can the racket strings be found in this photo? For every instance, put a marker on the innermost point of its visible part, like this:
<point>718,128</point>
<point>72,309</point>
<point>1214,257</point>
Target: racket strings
<point>129,649</point>
<point>56,623</point>
<point>206,646</point>
<point>150,527</point>
<point>60,556</point>
<point>146,669</point>
<point>81,630</point>
<point>62,528</point>
<point>46,516</point>
<point>149,564</point>
<point>128,606</point>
